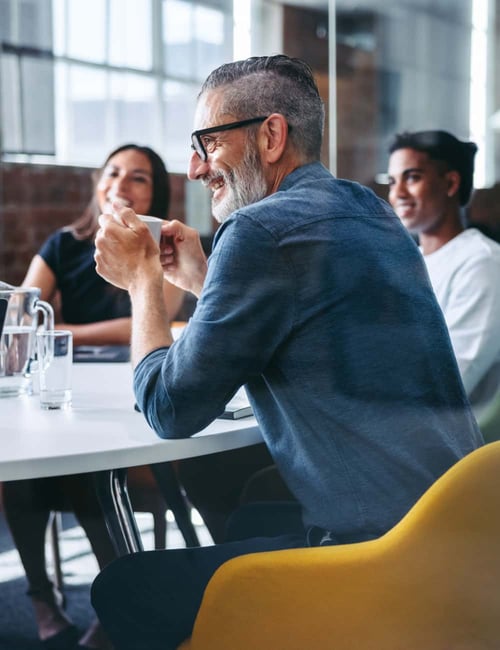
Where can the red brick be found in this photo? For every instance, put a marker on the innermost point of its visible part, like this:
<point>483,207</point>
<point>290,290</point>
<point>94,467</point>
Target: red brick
<point>35,200</point>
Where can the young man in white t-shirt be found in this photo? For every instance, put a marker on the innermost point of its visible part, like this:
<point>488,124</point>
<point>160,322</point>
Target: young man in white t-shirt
<point>430,180</point>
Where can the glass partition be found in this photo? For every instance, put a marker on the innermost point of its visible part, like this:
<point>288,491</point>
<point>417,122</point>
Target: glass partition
<point>402,66</point>
<point>399,65</point>
<point>414,66</point>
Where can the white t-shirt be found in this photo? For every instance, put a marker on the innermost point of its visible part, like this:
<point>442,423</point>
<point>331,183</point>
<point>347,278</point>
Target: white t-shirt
<point>465,275</point>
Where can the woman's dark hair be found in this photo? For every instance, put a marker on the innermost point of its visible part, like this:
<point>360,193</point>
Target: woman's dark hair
<point>85,227</point>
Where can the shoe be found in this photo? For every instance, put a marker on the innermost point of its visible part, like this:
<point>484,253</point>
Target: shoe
<point>63,640</point>
<point>94,639</point>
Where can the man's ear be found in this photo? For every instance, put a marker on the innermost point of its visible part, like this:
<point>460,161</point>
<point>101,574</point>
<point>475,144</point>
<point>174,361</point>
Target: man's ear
<point>273,136</point>
<point>453,180</point>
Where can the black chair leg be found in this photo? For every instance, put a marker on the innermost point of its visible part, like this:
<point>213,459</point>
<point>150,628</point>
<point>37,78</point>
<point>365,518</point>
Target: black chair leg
<point>169,485</point>
<point>54,528</point>
<point>111,487</point>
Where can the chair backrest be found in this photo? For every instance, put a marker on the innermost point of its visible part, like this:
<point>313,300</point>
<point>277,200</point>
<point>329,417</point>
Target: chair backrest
<point>489,421</point>
<point>432,582</point>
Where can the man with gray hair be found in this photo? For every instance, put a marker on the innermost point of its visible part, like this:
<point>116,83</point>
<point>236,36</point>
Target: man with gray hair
<point>316,299</point>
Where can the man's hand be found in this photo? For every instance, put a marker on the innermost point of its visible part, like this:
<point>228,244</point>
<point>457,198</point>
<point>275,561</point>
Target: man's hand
<point>126,254</point>
<point>128,257</point>
<point>182,258</point>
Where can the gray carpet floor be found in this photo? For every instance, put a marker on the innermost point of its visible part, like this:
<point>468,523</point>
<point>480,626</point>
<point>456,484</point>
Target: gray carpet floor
<point>17,627</point>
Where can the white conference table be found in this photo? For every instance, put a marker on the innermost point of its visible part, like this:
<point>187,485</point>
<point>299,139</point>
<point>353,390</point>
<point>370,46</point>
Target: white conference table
<point>103,434</point>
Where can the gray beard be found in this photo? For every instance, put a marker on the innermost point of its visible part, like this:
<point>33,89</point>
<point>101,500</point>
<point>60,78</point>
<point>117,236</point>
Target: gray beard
<point>246,185</point>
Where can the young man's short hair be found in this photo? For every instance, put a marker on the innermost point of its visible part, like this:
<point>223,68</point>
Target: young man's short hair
<point>445,147</point>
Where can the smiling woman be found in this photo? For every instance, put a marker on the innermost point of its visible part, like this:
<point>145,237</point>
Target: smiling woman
<point>97,314</point>
<point>126,179</point>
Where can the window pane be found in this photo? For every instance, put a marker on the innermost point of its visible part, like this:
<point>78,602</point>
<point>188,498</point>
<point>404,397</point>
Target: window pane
<point>5,21</point>
<point>96,107</point>
<point>34,24</point>
<point>59,27</point>
<point>197,38</point>
<point>81,114</point>
<point>27,110</point>
<point>130,40</point>
<point>209,40</point>
<point>87,30</point>
<point>179,101</point>
<point>177,37</point>
<point>11,103</point>
<point>26,22</point>
<point>37,81</point>
<point>132,109</point>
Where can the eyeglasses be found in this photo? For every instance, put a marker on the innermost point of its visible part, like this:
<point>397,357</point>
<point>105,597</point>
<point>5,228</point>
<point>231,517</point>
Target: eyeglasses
<point>204,145</point>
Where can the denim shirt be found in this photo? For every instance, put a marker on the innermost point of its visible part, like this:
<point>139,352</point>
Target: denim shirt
<point>317,299</point>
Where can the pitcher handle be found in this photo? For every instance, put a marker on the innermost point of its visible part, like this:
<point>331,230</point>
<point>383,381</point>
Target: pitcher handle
<point>48,324</point>
<point>47,312</point>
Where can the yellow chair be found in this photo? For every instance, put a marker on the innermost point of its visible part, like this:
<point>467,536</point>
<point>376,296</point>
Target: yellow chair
<point>431,583</point>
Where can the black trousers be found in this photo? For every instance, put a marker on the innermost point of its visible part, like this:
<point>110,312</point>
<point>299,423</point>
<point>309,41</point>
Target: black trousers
<point>149,600</point>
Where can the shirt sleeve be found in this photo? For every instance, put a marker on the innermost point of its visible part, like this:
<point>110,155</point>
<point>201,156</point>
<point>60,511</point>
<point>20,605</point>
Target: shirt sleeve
<point>473,318</point>
<point>245,311</point>
<point>49,251</point>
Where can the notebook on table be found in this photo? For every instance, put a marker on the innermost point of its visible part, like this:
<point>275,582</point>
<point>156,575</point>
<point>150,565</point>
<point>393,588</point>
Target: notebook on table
<point>238,407</point>
<point>101,353</point>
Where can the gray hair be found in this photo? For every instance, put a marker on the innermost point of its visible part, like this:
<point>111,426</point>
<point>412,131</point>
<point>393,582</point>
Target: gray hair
<point>274,84</point>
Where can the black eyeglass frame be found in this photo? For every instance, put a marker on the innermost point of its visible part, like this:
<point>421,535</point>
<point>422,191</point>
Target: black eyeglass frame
<point>197,144</point>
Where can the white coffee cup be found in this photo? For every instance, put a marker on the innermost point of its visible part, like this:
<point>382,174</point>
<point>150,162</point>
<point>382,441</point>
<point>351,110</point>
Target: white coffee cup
<point>154,224</point>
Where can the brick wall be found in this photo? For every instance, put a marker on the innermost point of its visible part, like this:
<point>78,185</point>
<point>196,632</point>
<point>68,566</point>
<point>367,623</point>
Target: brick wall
<point>35,200</point>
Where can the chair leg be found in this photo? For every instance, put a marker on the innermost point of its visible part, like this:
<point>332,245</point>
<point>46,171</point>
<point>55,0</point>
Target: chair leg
<point>160,529</point>
<point>169,485</point>
<point>54,528</point>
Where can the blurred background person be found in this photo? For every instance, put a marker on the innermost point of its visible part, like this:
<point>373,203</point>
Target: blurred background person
<point>98,314</point>
<point>430,181</point>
